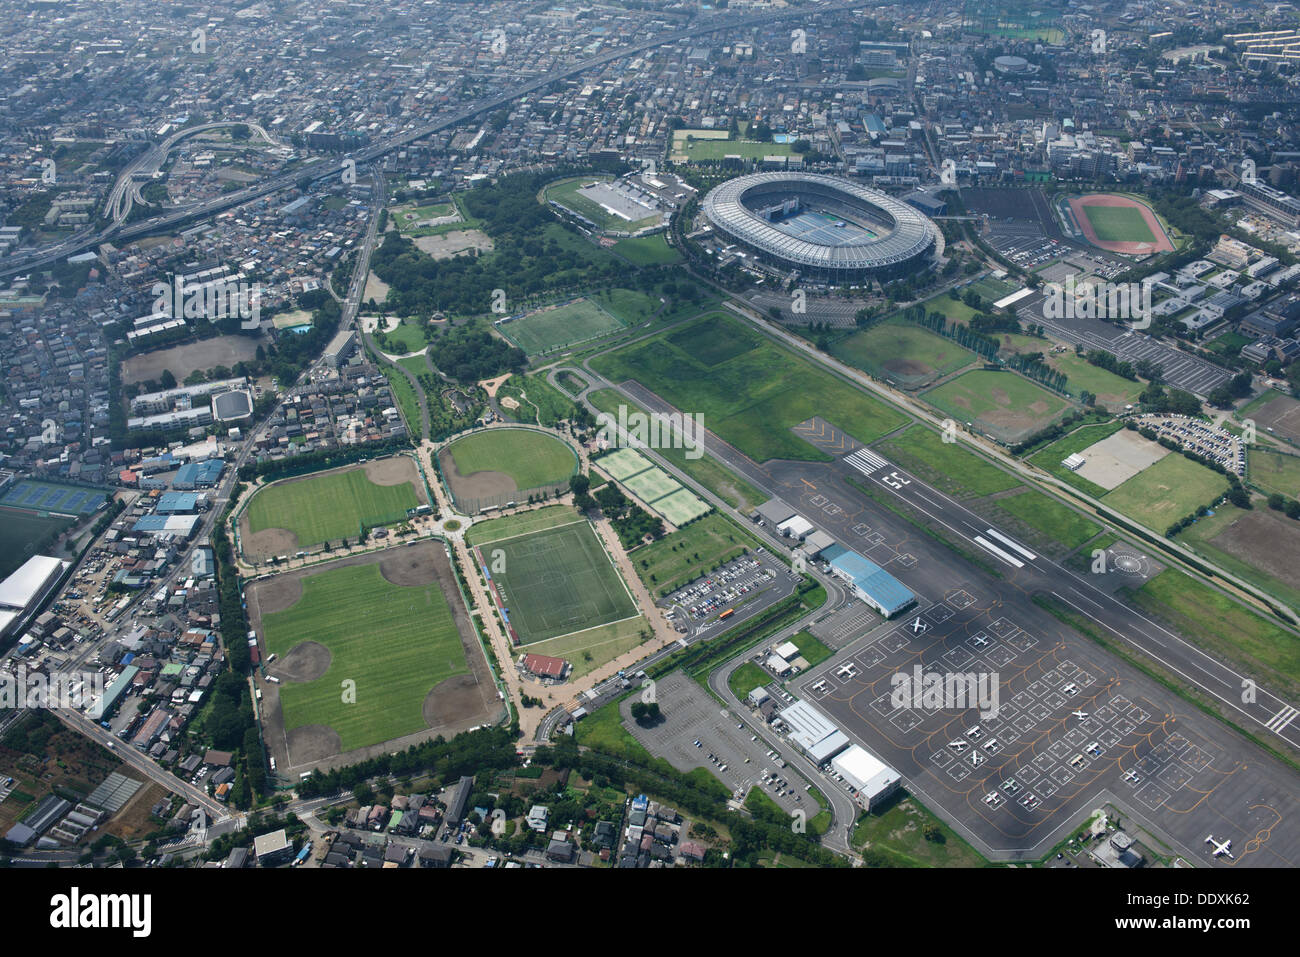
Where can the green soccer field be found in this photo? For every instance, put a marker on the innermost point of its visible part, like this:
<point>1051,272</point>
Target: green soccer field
<point>397,643</point>
<point>1119,224</point>
<point>329,507</point>
<point>574,322</point>
<point>907,353</point>
<point>532,459</point>
<point>750,390</point>
<point>557,582</point>
<point>1003,403</point>
<point>647,251</point>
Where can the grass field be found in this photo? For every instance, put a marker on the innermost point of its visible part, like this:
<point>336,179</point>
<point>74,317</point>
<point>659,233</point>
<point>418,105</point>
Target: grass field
<point>587,650</point>
<point>690,552</point>
<point>1214,622</point>
<point>1162,494</point>
<point>1229,538</point>
<point>329,507</point>
<point>406,338</point>
<point>1275,471</point>
<point>647,250</point>
<point>559,581</point>
<point>578,321</point>
<point>627,305</point>
<point>897,834</point>
<point>718,479</point>
<point>902,352</point>
<point>537,520</point>
<point>746,678</point>
<point>409,643</point>
<point>1006,405</point>
<point>750,390</point>
<point>652,484</point>
<point>23,534</point>
<point>813,651</point>
<point>1050,458</point>
<point>1111,390</point>
<point>1046,522</point>
<point>1122,224</point>
<point>948,466</point>
<point>531,459</point>
<point>681,507</point>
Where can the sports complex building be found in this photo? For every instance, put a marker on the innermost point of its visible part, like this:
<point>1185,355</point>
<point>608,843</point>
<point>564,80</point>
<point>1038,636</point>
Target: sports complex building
<point>822,228</point>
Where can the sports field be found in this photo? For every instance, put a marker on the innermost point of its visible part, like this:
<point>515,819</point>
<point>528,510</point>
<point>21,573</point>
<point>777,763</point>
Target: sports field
<point>1118,224</point>
<point>584,196</point>
<point>395,642</point>
<point>330,507</point>
<point>531,459</point>
<point>1275,471</point>
<point>750,390</point>
<point>1006,405</point>
<point>1111,390</point>
<point>1050,458</point>
<point>556,327</point>
<point>1163,493</point>
<point>627,305</point>
<point>38,496</point>
<point>556,582</point>
<point>901,352</point>
<point>24,534</point>
<point>512,526</point>
<point>647,250</point>
<point>652,484</point>
<point>694,150</point>
<point>681,506</point>
<point>623,463</point>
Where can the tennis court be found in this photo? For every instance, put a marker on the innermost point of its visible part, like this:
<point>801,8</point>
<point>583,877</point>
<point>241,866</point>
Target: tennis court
<point>624,463</point>
<point>681,507</point>
<point>49,497</point>
<point>652,484</point>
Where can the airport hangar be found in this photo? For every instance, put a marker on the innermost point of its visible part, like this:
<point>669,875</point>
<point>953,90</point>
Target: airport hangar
<point>824,228</point>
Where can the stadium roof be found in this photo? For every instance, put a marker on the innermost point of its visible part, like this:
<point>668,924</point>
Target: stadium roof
<point>26,584</point>
<point>911,236</point>
<point>883,588</point>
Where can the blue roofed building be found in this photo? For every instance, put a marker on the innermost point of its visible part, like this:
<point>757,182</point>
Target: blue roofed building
<point>879,589</point>
<point>177,503</point>
<point>203,474</point>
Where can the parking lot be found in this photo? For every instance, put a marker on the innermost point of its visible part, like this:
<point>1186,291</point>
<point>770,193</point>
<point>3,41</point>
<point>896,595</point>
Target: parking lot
<point>697,732</point>
<point>737,590</point>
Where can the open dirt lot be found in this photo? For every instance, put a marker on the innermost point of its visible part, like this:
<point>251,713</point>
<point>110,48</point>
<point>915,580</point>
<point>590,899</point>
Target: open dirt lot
<point>191,357</point>
<point>1280,560</point>
<point>1282,415</point>
<point>1119,457</point>
<point>457,241</point>
<point>454,705</point>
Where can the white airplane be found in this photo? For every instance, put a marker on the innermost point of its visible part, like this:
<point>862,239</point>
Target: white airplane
<point>1220,848</point>
<point>1079,714</point>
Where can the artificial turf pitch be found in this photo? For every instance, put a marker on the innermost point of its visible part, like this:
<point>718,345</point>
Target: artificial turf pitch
<point>556,582</point>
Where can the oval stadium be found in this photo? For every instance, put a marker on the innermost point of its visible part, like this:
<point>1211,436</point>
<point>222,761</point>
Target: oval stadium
<point>821,227</point>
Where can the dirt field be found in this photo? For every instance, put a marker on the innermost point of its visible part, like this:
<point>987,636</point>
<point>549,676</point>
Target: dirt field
<point>449,244</point>
<point>1119,457</point>
<point>454,705</point>
<point>270,542</point>
<point>492,386</point>
<point>1280,560</point>
<point>193,356</point>
<point>480,485</point>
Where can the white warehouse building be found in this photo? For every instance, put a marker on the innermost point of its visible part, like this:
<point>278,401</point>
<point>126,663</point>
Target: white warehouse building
<point>874,780</point>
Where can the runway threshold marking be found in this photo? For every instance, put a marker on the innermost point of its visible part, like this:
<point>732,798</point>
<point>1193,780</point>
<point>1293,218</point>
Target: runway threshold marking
<point>984,543</point>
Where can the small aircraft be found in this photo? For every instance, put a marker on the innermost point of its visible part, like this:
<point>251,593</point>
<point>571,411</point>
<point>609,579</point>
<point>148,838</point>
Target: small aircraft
<point>1079,714</point>
<point>1220,848</point>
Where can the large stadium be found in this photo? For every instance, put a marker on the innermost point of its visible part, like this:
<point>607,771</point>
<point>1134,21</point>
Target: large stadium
<point>822,227</point>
